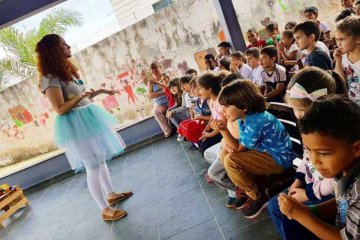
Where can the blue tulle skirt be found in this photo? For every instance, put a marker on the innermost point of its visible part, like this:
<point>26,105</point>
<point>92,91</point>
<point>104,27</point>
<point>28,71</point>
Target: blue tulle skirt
<point>88,136</point>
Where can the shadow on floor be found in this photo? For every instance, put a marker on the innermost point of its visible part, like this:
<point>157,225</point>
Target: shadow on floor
<point>172,200</point>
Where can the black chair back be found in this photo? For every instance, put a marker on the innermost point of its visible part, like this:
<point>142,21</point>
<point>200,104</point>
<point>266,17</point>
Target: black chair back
<point>286,116</point>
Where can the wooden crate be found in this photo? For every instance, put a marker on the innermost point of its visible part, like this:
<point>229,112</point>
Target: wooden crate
<point>11,202</point>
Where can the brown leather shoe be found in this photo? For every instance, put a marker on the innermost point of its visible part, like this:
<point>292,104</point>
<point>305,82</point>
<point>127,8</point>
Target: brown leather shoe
<point>116,215</point>
<point>122,196</point>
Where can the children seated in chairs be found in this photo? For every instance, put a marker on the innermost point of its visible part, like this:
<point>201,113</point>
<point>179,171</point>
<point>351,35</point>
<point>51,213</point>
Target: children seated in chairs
<point>309,186</point>
<point>334,147</point>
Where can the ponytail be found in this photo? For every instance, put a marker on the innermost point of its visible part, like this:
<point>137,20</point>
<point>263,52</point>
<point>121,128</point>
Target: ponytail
<point>340,83</point>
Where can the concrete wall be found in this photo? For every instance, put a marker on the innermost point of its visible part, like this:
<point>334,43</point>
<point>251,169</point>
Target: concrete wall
<point>171,36</point>
<point>174,36</point>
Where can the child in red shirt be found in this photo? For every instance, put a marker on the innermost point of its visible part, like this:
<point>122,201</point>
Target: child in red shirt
<point>253,37</point>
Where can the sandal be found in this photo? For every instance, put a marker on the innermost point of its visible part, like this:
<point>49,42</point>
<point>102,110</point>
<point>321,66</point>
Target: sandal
<point>122,196</point>
<point>116,215</point>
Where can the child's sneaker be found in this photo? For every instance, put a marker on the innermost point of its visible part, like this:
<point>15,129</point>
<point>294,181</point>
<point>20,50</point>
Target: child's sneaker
<point>180,138</point>
<point>193,147</point>
<point>253,208</point>
<point>230,202</point>
<point>239,203</point>
<point>241,198</point>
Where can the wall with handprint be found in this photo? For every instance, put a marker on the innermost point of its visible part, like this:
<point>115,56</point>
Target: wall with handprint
<point>119,62</point>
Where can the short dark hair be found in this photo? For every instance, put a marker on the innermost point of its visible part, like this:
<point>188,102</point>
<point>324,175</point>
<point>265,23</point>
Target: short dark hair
<point>271,51</point>
<point>309,27</point>
<point>224,44</point>
<point>209,56</point>
<point>334,116</point>
<point>155,65</point>
<point>231,78</point>
<point>271,26</point>
<point>254,51</point>
<point>357,2</point>
<point>291,23</point>
<point>243,94</point>
<point>344,14</point>
<point>175,82</point>
<point>210,81</point>
<point>312,9</point>
<point>185,79</point>
<point>237,55</point>
<point>225,63</point>
<point>223,74</point>
<point>349,26</point>
<point>190,71</point>
<point>288,33</point>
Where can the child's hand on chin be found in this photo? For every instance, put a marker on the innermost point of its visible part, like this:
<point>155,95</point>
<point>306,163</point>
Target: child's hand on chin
<point>337,55</point>
<point>217,124</point>
<point>221,123</point>
<point>290,207</point>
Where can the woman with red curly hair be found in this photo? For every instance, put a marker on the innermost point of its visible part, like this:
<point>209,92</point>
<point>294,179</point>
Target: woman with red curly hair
<point>85,131</point>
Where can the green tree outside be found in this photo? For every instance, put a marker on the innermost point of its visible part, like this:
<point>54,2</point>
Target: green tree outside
<point>20,46</point>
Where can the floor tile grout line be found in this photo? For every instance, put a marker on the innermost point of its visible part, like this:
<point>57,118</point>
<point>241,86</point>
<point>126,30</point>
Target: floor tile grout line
<point>242,228</point>
<point>202,189</point>
<point>189,228</point>
<point>156,199</point>
<point>123,174</point>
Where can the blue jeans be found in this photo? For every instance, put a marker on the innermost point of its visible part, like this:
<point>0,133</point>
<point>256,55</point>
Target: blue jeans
<point>291,229</point>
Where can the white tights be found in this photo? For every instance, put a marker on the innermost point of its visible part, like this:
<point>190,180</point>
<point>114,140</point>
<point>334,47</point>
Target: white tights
<point>99,181</point>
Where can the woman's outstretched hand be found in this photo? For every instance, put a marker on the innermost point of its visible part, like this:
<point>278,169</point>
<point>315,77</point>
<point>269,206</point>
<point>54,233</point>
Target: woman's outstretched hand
<point>93,93</point>
<point>111,92</point>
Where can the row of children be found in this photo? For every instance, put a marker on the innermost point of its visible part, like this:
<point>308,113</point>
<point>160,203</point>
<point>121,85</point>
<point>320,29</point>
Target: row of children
<point>255,143</point>
<point>262,65</point>
<point>226,119</point>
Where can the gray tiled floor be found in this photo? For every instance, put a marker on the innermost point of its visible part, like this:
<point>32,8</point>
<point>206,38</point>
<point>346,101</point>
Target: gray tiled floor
<point>171,201</point>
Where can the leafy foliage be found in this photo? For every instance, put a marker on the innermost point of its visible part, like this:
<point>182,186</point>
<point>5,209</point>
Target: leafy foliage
<point>20,46</point>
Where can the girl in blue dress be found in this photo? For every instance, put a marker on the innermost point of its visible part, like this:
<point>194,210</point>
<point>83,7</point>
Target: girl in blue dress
<point>85,131</point>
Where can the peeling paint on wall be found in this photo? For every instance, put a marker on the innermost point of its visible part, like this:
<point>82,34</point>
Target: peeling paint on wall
<point>120,62</point>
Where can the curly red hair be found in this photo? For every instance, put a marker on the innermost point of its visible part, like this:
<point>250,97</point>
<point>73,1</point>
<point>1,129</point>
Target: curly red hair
<point>51,59</point>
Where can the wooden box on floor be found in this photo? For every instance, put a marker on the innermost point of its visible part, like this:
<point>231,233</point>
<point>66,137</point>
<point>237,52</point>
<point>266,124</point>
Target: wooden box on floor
<point>11,202</point>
